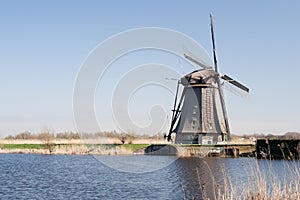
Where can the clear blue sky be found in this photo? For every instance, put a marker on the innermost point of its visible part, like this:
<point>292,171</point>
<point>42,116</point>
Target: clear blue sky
<point>43,45</point>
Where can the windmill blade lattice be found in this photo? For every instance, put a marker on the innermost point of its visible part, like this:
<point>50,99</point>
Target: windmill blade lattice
<point>234,82</point>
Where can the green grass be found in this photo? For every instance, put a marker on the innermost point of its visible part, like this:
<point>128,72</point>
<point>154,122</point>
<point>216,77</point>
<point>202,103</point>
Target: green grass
<point>135,147</point>
<point>23,146</point>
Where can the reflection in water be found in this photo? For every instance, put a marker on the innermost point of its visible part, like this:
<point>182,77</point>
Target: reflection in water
<point>136,163</point>
<point>199,176</point>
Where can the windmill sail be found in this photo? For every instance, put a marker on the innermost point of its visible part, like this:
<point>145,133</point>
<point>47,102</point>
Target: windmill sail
<point>234,82</point>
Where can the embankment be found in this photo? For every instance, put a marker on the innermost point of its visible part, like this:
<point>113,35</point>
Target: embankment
<point>93,147</point>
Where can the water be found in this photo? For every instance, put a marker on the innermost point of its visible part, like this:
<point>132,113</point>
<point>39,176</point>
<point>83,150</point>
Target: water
<point>84,177</point>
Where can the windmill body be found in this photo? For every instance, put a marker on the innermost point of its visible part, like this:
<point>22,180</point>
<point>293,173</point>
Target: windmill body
<point>200,120</point>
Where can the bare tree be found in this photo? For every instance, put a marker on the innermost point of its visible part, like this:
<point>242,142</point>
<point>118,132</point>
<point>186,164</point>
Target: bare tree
<point>68,135</point>
<point>9,137</point>
<point>47,137</point>
<point>24,136</point>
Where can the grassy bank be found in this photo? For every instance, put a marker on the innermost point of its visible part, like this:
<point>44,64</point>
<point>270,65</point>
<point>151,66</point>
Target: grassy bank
<point>134,147</point>
<point>77,147</point>
<point>51,148</point>
<point>23,146</point>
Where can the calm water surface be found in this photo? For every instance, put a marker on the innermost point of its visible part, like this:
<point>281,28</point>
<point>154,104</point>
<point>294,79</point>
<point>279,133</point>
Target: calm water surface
<point>84,177</point>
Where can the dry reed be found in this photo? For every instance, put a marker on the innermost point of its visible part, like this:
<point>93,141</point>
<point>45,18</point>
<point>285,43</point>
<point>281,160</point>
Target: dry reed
<point>262,184</point>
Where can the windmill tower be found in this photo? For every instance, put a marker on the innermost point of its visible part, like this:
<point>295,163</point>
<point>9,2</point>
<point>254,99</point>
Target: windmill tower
<point>200,116</point>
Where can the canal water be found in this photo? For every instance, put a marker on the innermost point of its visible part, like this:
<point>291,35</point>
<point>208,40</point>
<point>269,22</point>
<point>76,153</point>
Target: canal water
<point>26,176</point>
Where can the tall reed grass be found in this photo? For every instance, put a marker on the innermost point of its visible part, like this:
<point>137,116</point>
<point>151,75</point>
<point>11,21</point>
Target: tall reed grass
<point>264,183</point>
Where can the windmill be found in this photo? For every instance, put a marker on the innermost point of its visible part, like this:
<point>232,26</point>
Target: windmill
<point>200,116</point>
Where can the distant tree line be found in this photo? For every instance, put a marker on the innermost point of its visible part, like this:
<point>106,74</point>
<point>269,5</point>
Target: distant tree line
<point>128,137</point>
<point>123,137</point>
<point>288,135</point>
<point>45,134</point>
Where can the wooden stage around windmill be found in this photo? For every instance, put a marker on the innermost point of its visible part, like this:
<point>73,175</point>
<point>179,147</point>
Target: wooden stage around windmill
<point>197,150</point>
<point>288,149</point>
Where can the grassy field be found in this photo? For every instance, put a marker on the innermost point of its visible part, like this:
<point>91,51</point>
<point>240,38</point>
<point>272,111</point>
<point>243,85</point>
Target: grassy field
<point>134,147</point>
<point>128,147</point>
<point>23,146</point>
